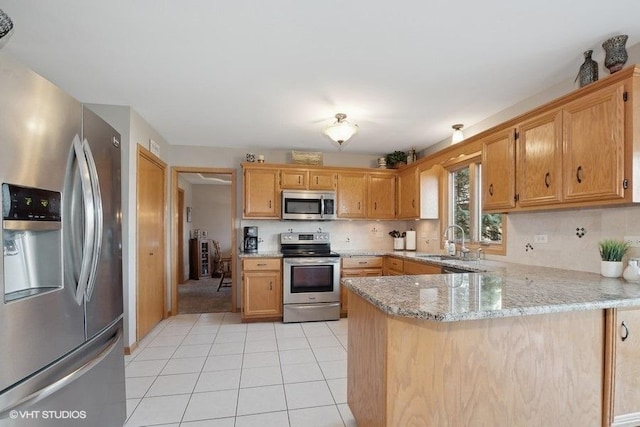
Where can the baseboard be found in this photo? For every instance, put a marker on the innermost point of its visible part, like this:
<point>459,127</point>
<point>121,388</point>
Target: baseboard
<point>131,349</point>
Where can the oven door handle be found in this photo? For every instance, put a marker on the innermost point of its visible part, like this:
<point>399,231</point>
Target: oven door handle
<point>311,261</point>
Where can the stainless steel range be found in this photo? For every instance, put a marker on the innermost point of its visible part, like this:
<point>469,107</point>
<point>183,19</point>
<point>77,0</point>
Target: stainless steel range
<point>311,277</point>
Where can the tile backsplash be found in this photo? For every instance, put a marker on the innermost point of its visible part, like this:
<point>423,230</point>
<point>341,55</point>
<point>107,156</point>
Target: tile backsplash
<point>572,235</point>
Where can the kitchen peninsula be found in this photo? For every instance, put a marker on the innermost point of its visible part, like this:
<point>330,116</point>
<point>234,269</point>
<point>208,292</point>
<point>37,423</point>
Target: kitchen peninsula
<point>516,345</point>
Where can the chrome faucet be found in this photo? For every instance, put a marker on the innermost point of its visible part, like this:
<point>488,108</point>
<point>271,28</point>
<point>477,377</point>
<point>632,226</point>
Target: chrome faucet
<point>464,251</point>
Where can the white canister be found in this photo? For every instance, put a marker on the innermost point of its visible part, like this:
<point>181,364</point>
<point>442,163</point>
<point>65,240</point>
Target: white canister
<point>398,243</point>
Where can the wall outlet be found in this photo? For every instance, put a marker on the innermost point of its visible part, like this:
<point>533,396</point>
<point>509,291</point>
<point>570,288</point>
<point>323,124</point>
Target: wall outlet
<point>540,238</point>
<point>634,241</point>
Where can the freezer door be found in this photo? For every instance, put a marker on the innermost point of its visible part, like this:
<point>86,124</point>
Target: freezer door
<point>86,388</point>
<point>104,293</point>
<point>38,121</point>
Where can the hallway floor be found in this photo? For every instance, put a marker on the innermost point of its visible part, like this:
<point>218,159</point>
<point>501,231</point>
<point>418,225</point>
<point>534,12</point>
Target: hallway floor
<point>197,370</point>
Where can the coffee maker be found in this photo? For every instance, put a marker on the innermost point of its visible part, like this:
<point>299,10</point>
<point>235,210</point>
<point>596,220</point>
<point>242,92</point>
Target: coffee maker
<point>250,244</point>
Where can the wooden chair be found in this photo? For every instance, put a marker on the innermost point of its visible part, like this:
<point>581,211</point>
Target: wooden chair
<point>218,265</point>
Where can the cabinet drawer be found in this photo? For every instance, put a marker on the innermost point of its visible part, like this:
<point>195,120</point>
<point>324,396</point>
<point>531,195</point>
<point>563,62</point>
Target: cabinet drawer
<point>362,262</point>
<point>395,264</point>
<point>261,264</point>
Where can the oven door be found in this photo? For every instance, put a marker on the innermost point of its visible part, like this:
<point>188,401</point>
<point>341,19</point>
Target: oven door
<point>311,280</point>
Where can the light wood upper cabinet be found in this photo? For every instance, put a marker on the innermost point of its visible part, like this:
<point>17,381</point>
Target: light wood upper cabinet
<point>408,194</point>
<point>498,170</point>
<point>322,180</point>
<point>594,146</point>
<point>352,194</point>
<point>539,160</point>
<point>261,193</point>
<point>382,196</point>
<point>622,370</point>
<point>294,179</point>
<point>302,179</point>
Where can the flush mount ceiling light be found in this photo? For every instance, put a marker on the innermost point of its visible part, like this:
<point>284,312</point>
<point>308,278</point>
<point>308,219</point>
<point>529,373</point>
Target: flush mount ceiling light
<point>341,130</point>
<point>6,26</point>
<point>457,133</point>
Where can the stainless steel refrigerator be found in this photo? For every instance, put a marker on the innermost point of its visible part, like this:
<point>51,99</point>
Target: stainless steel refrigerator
<point>61,346</point>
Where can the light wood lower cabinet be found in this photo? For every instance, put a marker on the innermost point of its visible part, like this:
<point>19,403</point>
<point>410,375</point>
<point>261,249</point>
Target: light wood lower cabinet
<point>397,267</point>
<point>413,268</point>
<point>622,368</point>
<point>543,370</point>
<point>357,267</point>
<point>261,289</point>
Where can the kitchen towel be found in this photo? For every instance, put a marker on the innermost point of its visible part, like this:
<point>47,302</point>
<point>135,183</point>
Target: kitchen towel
<point>410,241</point>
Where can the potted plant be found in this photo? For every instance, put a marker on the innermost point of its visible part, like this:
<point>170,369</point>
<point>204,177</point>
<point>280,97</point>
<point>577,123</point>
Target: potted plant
<point>398,239</point>
<point>396,159</point>
<point>611,253</point>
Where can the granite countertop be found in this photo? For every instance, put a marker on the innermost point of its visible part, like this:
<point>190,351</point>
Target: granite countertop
<point>502,290</point>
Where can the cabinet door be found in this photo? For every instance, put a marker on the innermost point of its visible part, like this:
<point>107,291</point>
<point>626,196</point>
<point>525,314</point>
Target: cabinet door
<point>393,266</point>
<point>294,179</point>
<point>408,197</point>
<point>322,180</point>
<point>411,267</point>
<point>498,171</point>
<point>354,272</point>
<point>624,353</point>
<point>352,194</point>
<point>594,146</point>
<point>539,160</point>
<point>382,196</point>
<point>261,193</point>
<point>262,294</point>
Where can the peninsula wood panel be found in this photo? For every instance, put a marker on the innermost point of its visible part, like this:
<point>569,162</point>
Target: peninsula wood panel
<point>366,363</point>
<point>527,370</point>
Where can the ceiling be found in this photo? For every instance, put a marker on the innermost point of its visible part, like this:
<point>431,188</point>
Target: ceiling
<point>272,74</point>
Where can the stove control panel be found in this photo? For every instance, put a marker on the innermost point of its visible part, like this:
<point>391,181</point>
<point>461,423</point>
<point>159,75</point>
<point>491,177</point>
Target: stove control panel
<point>309,238</point>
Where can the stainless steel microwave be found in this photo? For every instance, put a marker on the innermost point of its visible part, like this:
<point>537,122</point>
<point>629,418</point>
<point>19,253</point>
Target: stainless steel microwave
<point>309,205</point>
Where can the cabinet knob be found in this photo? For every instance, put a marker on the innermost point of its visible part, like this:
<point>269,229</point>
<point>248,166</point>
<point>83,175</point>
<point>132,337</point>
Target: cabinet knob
<point>547,179</point>
<point>271,285</point>
<point>625,332</point>
<point>491,189</point>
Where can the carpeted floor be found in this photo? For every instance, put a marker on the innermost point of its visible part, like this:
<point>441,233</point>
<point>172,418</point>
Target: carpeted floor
<point>200,296</point>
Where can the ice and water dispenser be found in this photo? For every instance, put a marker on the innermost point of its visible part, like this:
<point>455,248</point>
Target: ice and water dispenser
<point>32,241</point>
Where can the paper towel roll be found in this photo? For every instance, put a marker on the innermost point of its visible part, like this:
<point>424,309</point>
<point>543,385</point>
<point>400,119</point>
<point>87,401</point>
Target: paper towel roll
<point>410,241</point>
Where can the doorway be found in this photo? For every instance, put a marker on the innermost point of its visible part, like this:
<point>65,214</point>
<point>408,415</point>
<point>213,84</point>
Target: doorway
<point>197,289</point>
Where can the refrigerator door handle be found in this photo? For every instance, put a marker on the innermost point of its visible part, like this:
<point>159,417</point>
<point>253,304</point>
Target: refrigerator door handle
<point>89,217</point>
<point>98,220</point>
<point>63,382</point>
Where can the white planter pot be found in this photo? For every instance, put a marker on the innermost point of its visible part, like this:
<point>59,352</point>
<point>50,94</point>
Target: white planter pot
<point>611,268</point>
<point>398,243</point>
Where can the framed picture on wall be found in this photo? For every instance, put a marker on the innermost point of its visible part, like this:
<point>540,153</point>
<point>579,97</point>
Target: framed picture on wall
<point>188,214</point>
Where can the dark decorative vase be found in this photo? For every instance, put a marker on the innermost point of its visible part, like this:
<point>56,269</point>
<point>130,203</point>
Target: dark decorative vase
<point>616,53</point>
<point>588,70</point>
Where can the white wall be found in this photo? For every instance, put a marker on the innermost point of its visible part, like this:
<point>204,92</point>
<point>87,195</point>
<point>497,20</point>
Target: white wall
<point>212,213</point>
<point>186,226</point>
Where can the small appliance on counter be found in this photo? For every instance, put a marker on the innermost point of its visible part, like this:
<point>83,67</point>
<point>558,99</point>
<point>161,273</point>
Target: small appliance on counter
<point>250,240</point>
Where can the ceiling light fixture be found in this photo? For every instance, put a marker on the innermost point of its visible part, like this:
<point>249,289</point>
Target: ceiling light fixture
<point>341,130</point>
<point>457,133</point>
<point>6,25</point>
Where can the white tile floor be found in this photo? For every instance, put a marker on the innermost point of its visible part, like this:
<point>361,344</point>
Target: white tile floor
<point>198,370</point>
